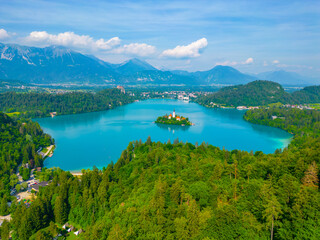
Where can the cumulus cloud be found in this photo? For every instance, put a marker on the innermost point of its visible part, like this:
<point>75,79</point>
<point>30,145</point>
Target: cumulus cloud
<point>275,61</point>
<point>139,49</point>
<point>86,42</point>
<point>4,34</point>
<point>188,51</point>
<point>70,39</point>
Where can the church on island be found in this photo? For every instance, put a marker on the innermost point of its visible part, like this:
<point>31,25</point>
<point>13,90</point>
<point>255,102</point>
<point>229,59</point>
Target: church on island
<point>174,119</point>
<point>173,115</point>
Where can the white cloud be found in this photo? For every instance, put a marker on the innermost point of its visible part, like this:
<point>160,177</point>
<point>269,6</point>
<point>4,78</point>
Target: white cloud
<point>188,51</point>
<point>4,34</point>
<point>234,63</point>
<point>227,63</point>
<point>248,61</point>
<point>140,49</point>
<point>265,63</point>
<point>85,42</point>
<point>275,62</point>
<point>70,39</point>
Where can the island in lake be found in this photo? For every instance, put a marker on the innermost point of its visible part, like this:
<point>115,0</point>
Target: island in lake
<point>173,119</point>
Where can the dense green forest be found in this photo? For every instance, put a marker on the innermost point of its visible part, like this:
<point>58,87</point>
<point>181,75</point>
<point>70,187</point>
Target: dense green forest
<point>41,104</point>
<point>308,95</point>
<point>181,191</point>
<point>301,123</point>
<point>260,93</point>
<point>19,142</point>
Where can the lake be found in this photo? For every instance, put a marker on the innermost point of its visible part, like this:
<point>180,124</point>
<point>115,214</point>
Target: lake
<point>96,139</point>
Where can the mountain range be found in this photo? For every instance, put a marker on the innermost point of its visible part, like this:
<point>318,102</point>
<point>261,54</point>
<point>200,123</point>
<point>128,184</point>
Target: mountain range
<point>60,65</point>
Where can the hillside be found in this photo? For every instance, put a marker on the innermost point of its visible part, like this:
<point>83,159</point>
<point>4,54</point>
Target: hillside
<point>222,75</point>
<point>252,94</point>
<point>42,104</point>
<point>180,191</point>
<point>19,142</point>
<point>51,65</point>
<point>307,95</point>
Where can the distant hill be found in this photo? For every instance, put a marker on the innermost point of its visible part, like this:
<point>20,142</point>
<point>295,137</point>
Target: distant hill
<point>223,75</point>
<point>307,95</point>
<point>252,94</point>
<point>286,78</point>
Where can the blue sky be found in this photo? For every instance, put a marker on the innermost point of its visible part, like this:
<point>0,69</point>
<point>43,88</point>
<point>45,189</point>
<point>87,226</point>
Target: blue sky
<point>252,36</point>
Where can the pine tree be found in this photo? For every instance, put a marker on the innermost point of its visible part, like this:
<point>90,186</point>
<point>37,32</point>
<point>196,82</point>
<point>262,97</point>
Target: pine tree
<point>310,178</point>
<point>116,233</point>
<point>60,210</point>
<point>5,229</point>
<point>272,212</point>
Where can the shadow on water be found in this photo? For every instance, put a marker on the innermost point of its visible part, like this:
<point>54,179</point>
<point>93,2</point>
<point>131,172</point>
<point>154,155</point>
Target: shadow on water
<point>171,128</point>
<point>230,114</point>
<point>271,131</point>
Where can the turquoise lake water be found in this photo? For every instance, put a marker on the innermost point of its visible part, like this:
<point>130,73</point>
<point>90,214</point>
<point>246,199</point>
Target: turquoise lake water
<point>96,139</point>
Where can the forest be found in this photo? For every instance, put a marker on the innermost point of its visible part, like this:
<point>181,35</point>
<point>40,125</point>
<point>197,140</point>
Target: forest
<point>182,191</point>
<point>41,104</point>
<point>260,93</point>
<point>19,142</point>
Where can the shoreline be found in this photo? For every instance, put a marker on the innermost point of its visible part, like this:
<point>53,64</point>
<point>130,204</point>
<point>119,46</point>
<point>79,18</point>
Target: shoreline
<point>76,173</point>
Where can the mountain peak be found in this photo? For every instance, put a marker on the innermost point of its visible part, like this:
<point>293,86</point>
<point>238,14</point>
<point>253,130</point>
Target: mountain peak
<point>135,65</point>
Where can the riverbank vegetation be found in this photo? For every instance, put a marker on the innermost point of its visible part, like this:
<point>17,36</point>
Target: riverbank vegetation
<point>42,104</point>
<point>180,191</point>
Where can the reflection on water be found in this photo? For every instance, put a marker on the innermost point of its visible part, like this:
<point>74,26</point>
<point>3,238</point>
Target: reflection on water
<point>172,128</point>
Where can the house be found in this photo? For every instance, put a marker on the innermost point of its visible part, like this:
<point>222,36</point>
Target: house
<point>242,107</point>
<point>121,89</point>
<point>170,116</point>
<point>53,114</point>
<point>79,232</point>
<point>35,187</point>
<point>178,118</point>
<point>65,226</point>
<point>275,117</point>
